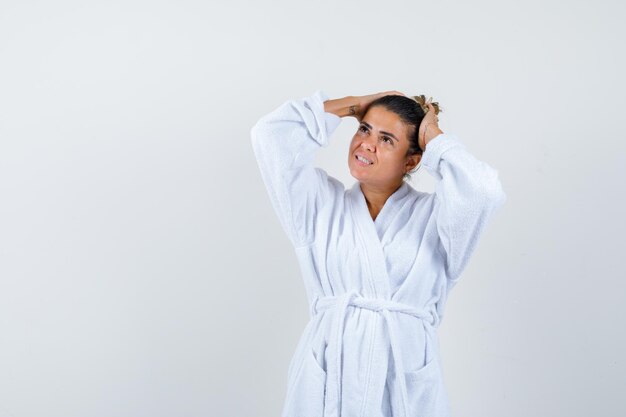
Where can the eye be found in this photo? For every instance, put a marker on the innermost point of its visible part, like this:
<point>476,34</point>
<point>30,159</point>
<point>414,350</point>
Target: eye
<point>362,128</point>
<point>388,138</point>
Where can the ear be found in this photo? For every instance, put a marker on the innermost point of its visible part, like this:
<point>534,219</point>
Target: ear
<point>411,162</point>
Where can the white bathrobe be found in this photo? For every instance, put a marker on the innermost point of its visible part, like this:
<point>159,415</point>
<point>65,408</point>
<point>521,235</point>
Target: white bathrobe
<point>376,289</point>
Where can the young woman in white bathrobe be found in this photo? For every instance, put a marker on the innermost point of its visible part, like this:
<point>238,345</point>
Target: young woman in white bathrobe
<point>379,258</point>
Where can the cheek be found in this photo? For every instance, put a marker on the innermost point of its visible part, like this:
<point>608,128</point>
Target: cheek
<point>391,159</point>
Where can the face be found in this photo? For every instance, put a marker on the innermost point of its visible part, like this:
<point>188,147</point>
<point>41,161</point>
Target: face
<point>382,138</point>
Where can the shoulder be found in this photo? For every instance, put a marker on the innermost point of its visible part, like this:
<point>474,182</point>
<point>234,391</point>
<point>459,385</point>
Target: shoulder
<point>421,203</point>
<point>417,195</point>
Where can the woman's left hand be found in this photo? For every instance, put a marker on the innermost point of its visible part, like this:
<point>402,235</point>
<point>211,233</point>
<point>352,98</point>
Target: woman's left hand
<point>429,128</point>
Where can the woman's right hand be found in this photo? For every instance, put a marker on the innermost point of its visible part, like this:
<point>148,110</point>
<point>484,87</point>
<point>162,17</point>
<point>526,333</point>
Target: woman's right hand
<point>363,102</point>
<point>355,106</point>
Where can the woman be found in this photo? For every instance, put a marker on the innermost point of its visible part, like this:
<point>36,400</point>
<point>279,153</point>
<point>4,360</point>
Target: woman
<point>379,258</point>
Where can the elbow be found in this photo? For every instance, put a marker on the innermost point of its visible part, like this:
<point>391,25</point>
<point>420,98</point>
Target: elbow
<point>259,143</point>
<point>262,136</point>
<point>271,146</point>
<point>254,138</point>
<point>495,192</point>
<point>254,131</point>
<point>263,124</point>
<point>498,197</point>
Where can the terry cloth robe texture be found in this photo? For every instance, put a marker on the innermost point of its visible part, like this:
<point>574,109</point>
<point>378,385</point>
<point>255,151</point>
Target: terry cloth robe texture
<point>376,288</point>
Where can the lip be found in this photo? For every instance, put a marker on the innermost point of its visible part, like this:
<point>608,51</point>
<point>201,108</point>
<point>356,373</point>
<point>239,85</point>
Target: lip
<point>363,156</point>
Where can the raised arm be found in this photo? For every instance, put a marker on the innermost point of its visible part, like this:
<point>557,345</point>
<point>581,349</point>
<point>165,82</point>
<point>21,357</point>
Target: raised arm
<point>285,142</point>
<point>467,195</point>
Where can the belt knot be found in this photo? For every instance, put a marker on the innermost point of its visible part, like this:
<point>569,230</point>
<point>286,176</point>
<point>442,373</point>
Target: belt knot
<point>354,299</point>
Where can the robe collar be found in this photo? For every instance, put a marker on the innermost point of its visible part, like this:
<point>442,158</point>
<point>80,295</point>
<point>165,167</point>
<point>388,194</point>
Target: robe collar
<point>373,232</point>
<point>389,209</point>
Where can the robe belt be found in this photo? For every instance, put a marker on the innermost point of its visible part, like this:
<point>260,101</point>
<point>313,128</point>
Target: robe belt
<point>352,298</point>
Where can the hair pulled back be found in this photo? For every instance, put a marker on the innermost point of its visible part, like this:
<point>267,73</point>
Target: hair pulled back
<point>411,111</point>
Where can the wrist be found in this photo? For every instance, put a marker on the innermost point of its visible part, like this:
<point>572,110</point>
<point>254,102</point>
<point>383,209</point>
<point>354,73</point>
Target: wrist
<point>431,133</point>
<point>343,107</point>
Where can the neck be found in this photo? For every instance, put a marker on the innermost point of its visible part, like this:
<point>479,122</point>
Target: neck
<point>376,196</point>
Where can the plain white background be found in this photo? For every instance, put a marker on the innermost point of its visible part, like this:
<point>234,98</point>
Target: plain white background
<point>144,273</point>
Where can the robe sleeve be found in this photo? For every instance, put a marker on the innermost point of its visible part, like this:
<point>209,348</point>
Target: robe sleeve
<point>285,142</point>
<point>467,194</point>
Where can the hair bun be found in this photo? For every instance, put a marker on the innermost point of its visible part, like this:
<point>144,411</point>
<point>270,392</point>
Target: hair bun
<point>421,100</point>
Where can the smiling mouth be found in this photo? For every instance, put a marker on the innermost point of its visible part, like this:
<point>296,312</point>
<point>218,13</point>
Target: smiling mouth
<point>362,161</point>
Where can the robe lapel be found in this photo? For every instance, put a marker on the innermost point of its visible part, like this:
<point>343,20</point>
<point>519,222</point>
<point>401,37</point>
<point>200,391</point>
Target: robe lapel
<point>390,210</point>
<point>373,233</point>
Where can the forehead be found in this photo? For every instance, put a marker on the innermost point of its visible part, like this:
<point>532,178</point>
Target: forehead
<point>382,119</point>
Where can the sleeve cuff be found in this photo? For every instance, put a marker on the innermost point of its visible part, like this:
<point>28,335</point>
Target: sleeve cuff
<point>435,149</point>
<point>331,120</point>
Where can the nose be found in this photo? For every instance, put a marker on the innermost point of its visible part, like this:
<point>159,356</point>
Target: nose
<point>368,144</point>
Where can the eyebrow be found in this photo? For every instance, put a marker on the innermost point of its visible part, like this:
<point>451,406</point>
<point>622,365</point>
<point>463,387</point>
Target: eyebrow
<point>383,132</point>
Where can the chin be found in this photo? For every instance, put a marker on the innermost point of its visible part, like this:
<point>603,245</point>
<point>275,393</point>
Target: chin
<point>356,175</point>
